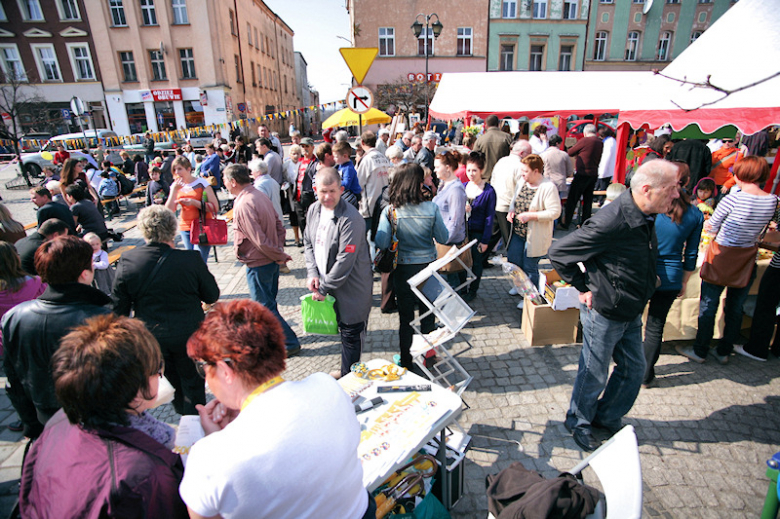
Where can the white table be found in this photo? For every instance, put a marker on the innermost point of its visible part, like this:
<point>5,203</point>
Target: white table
<point>392,432</point>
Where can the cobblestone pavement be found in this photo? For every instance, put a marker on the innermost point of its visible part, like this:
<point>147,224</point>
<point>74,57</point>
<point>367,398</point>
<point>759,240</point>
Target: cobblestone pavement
<point>704,433</point>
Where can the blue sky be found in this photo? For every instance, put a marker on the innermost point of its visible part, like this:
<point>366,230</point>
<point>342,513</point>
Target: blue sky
<point>316,24</point>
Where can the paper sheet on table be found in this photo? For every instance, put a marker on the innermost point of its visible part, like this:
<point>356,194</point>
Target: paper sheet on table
<point>189,432</point>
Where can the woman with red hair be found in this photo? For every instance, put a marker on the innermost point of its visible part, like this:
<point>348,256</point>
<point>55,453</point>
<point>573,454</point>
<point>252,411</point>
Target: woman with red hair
<point>265,435</point>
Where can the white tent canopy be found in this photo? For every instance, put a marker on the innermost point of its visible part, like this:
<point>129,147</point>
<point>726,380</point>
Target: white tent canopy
<point>742,47</point>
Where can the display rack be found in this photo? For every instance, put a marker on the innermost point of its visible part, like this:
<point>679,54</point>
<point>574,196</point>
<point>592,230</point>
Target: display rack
<point>443,301</point>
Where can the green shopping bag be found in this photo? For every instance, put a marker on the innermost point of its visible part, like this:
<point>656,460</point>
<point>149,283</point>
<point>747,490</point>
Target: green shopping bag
<point>319,317</point>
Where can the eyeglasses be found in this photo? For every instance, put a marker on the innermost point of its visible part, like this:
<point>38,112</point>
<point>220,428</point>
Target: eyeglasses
<point>200,365</point>
<point>727,140</point>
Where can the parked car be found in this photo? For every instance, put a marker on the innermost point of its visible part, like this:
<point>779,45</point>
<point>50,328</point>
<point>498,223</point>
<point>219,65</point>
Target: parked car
<point>171,143</point>
<point>199,138</point>
<point>33,141</point>
<point>34,162</point>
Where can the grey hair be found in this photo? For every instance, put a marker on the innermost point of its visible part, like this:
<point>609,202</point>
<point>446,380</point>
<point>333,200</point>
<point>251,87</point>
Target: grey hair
<point>429,136</point>
<point>416,139</point>
<point>294,148</point>
<point>409,134</point>
<point>342,136</point>
<point>328,177</point>
<point>258,165</point>
<point>157,224</point>
<point>394,152</point>
<point>652,173</point>
<point>522,148</point>
<point>590,129</point>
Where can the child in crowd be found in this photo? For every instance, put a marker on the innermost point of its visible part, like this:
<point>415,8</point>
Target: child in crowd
<point>104,274</point>
<point>198,163</point>
<point>109,188</point>
<point>614,191</point>
<point>341,154</point>
<point>705,199</point>
<point>156,190</point>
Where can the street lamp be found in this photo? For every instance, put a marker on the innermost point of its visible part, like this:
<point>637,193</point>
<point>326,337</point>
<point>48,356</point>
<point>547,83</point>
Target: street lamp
<point>417,28</point>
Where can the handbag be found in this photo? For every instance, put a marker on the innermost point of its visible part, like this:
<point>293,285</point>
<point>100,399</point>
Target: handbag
<point>770,240</point>
<point>319,317</point>
<point>208,231</point>
<point>728,266</point>
<point>387,259</point>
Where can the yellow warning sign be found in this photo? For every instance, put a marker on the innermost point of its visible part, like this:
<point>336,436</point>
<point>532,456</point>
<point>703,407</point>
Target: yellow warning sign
<point>359,60</point>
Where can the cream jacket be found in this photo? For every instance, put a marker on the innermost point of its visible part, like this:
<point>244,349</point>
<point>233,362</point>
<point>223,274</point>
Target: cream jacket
<point>547,205</point>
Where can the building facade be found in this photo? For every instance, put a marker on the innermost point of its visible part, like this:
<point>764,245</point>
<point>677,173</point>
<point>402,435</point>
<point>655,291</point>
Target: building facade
<point>174,64</point>
<point>47,46</point>
<point>307,97</point>
<point>537,34</point>
<point>461,47</point>
<point>646,34</point>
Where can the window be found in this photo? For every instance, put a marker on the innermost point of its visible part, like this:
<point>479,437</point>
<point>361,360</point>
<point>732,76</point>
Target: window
<point>705,1</point>
<point>158,65</point>
<point>663,46</point>
<point>638,1</point>
<point>285,84</point>
<point>509,9</point>
<point>128,66</point>
<point>249,34</point>
<point>537,53</point>
<point>540,8</point>
<point>387,41</point>
<point>259,76</point>
<point>81,62</point>
<point>180,12</point>
<point>632,46</point>
<point>31,10</point>
<point>570,10</point>
<point>12,63</point>
<point>606,1</point>
<point>600,48</point>
<point>254,78</point>
<point>46,59</point>
<point>257,40</point>
<point>672,1</point>
<point>507,57</point>
<point>117,13</point>
<point>232,22</point>
<point>187,64</point>
<point>68,10</point>
<point>238,68</point>
<point>465,38</point>
<point>695,35</point>
<point>564,61</point>
<point>425,42</point>
<point>147,12</point>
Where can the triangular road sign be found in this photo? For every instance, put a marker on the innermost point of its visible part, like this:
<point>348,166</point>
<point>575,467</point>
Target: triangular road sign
<point>359,60</point>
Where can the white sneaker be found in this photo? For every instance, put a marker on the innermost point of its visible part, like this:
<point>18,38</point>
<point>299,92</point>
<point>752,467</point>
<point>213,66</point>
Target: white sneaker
<point>513,292</point>
<point>520,305</point>
<point>739,348</point>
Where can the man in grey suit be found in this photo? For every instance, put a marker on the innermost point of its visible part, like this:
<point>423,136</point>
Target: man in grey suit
<point>338,262</point>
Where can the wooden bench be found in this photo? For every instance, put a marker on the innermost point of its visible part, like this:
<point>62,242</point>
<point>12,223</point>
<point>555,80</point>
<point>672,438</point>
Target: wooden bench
<point>115,254</point>
<point>138,189</point>
<point>30,226</point>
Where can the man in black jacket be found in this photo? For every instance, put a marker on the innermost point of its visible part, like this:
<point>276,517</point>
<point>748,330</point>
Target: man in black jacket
<point>167,298</point>
<point>27,246</point>
<point>32,330</point>
<point>618,250</point>
<point>47,209</point>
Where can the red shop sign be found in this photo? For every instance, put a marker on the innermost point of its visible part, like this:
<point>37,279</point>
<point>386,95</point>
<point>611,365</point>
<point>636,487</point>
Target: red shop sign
<point>419,77</point>
<point>171,94</point>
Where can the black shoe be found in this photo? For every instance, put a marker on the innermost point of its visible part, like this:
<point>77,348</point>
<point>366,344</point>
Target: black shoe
<point>292,352</point>
<point>583,438</point>
<point>469,296</point>
<point>16,426</point>
<point>391,310</point>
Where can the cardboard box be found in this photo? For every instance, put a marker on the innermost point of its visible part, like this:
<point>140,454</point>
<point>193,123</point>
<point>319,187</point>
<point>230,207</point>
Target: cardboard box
<point>560,298</point>
<point>543,325</point>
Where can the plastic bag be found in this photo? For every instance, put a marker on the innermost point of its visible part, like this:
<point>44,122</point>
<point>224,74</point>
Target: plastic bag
<point>319,317</point>
<point>523,283</point>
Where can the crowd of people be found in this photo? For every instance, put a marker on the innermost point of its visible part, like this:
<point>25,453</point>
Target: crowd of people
<point>83,374</point>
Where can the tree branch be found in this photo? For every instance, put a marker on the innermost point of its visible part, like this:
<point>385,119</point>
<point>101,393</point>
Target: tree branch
<point>707,83</point>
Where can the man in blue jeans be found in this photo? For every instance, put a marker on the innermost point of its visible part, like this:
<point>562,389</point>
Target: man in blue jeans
<point>258,240</point>
<point>617,249</point>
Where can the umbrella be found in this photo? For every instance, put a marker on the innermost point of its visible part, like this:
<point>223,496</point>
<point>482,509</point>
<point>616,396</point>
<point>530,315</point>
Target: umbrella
<point>347,117</point>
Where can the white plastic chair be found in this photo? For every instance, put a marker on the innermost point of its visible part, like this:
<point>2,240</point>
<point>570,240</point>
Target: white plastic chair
<point>617,466</point>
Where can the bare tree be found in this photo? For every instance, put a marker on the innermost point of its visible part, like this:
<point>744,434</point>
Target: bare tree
<point>17,97</point>
<point>707,84</point>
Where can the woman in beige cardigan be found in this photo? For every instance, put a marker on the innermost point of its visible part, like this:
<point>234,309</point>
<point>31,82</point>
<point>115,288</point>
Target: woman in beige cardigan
<point>535,206</point>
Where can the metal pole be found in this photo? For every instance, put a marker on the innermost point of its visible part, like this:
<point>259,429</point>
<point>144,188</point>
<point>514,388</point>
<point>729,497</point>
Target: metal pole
<point>360,124</point>
<point>427,20</point>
